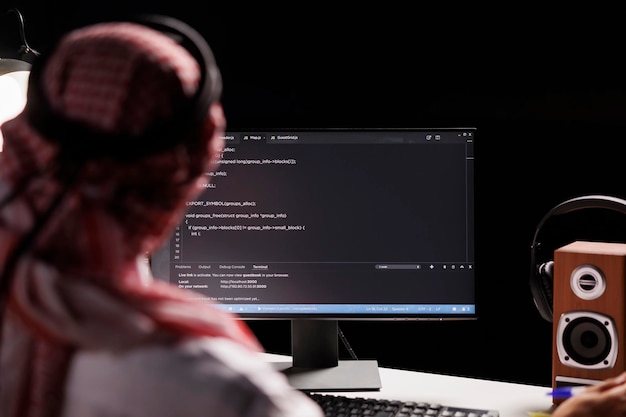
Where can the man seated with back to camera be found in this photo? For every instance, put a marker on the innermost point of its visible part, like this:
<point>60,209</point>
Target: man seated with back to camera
<point>88,185</point>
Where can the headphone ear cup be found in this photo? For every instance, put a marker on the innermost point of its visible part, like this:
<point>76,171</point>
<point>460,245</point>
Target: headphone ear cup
<point>545,273</point>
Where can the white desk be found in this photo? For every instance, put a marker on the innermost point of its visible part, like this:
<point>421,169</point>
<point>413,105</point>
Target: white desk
<point>510,399</point>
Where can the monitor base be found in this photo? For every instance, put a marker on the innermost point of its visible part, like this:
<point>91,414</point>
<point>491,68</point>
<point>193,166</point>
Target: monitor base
<point>348,375</point>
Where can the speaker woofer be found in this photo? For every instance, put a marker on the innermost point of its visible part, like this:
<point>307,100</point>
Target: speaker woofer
<point>586,340</point>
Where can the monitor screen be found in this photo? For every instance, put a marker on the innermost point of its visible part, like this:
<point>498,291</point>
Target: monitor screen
<point>322,225</point>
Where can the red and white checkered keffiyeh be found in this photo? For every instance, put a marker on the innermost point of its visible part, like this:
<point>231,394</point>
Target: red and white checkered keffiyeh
<point>79,285</point>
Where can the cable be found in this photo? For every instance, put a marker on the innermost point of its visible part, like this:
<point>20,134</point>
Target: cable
<point>345,342</point>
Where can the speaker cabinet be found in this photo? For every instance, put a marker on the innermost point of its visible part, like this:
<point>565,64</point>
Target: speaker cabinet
<point>589,304</point>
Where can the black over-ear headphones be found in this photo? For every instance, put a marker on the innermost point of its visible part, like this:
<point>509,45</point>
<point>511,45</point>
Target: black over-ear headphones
<point>159,137</point>
<point>541,278</point>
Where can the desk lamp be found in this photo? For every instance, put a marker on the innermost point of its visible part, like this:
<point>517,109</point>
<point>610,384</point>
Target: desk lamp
<point>14,78</point>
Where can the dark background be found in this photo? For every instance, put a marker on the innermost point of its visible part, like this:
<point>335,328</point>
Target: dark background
<point>545,93</point>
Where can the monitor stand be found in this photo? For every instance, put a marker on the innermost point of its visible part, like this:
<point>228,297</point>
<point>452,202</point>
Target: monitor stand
<point>316,365</point>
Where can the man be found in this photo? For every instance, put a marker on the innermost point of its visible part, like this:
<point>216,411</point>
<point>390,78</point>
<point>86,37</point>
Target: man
<point>121,128</point>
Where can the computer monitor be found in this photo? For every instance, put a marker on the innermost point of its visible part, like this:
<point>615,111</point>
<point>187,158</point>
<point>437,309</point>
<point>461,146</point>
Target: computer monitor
<point>318,226</point>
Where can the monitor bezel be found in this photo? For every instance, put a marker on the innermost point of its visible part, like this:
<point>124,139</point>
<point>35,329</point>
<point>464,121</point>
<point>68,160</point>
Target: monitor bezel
<point>163,251</point>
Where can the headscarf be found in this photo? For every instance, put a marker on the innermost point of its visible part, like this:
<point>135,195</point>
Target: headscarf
<point>74,222</point>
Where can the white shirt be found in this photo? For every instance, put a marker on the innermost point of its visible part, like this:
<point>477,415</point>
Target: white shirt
<point>202,377</point>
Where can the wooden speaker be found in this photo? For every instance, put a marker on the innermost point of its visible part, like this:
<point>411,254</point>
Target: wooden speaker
<point>589,304</point>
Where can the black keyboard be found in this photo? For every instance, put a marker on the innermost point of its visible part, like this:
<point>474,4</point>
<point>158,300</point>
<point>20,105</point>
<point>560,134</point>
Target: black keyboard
<point>337,405</point>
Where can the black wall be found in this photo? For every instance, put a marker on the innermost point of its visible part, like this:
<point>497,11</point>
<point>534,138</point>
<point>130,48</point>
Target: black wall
<point>546,97</point>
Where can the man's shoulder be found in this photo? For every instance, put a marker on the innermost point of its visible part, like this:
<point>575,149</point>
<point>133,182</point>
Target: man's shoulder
<point>197,377</point>
<point>149,380</point>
